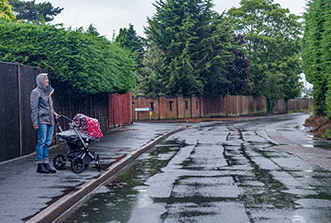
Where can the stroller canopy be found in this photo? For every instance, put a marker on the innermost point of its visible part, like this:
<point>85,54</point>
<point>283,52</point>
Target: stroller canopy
<point>87,125</point>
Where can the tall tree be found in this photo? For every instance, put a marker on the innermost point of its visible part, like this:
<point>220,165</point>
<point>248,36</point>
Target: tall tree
<point>274,84</point>
<point>152,76</point>
<point>129,39</point>
<point>315,58</point>
<point>91,30</point>
<point>6,12</point>
<point>326,47</point>
<point>196,44</point>
<point>237,73</point>
<point>30,11</point>
<point>273,45</point>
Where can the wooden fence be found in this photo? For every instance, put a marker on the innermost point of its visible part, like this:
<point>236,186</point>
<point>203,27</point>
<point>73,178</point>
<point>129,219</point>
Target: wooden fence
<point>18,138</point>
<point>293,105</point>
<point>120,111</point>
<point>179,107</point>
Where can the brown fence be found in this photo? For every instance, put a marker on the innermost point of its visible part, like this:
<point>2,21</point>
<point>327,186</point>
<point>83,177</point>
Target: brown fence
<point>95,106</point>
<point>18,138</point>
<point>233,105</point>
<point>293,105</point>
<point>178,107</point>
<point>16,133</point>
<point>167,107</point>
<point>120,110</point>
<point>196,106</point>
<point>112,110</point>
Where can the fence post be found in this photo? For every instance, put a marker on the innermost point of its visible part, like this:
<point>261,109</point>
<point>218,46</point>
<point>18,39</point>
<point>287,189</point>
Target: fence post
<point>180,106</point>
<point>162,106</point>
<point>19,108</point>
<point>202,114</point>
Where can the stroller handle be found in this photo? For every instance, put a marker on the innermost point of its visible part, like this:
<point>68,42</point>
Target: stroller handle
<point>71,122</point>
<point>62,116</point>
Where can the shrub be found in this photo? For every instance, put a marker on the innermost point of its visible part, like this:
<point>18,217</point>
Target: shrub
<point>87,62</point>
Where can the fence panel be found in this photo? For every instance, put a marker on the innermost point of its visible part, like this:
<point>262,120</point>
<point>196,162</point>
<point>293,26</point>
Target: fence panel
<point>204,106</point>
<point>17,135</point>
<point>69,104</point>
<point>120,112</point>
<point>212,106</point>
<point>27,77</point>
<point>127,108</point>
<point>9,112</point>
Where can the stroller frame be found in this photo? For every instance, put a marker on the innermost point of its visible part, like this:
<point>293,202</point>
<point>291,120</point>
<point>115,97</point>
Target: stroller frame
<point>78,154</point>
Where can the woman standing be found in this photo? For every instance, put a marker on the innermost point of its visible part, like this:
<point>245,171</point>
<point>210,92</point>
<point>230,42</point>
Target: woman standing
<point>42,114</point>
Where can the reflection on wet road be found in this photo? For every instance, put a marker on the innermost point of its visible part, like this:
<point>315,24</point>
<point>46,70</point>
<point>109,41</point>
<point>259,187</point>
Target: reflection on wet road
<point>218,172</point>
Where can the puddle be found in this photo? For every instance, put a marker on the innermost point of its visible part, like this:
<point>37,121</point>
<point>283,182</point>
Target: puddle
<point>115,202</point>
<point>242,178</point>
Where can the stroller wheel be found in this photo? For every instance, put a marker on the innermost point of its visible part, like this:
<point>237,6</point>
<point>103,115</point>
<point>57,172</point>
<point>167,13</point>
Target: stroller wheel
<point>59,161</point>
<point>77,165</point>
<point>98,166</point>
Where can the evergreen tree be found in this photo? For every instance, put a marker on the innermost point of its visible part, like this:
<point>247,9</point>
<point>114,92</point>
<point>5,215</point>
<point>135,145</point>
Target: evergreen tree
<point>91,30</point>
<point>129,39</point>
<point>196,44</point>
<point>6,12</point>
<point>152,76</point>
<point>326,51</point>
<point>30,11</point>
<point>237,74</point>
<point>274,84</point>
<point>315,61</point>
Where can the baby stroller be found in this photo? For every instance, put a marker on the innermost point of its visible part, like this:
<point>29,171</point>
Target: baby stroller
<point>82,131</point>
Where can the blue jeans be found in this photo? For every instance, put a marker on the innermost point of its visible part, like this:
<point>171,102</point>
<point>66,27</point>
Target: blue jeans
<point>44,134</point>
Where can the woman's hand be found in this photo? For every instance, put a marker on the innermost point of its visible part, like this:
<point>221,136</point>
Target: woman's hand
<point>36,127</point>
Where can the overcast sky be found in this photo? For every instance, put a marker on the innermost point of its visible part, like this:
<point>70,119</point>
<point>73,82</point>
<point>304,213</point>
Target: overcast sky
<point>110,15</point>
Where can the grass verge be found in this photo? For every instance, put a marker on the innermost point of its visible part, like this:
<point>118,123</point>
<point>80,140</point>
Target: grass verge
<point>321,126</point>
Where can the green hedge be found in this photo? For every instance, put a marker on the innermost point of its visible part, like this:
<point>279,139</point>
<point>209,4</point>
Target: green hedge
<point>89,63</point>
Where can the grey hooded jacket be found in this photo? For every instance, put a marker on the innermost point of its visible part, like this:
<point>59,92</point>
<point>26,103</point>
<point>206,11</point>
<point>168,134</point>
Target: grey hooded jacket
<point>42,111</point>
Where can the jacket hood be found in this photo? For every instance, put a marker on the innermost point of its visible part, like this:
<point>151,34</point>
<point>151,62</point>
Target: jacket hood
<point>40,80</point>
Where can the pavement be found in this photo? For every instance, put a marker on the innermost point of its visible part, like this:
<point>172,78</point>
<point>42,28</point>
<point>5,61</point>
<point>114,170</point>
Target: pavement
<point>314,155</point>
<point>27,196</point>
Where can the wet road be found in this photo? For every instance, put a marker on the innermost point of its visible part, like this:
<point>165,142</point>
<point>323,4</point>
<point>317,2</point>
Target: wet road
<point>24,193</point>
<point>237,171</point>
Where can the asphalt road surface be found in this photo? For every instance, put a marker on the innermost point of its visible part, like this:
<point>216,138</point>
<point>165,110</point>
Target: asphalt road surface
<point>254,170</point>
